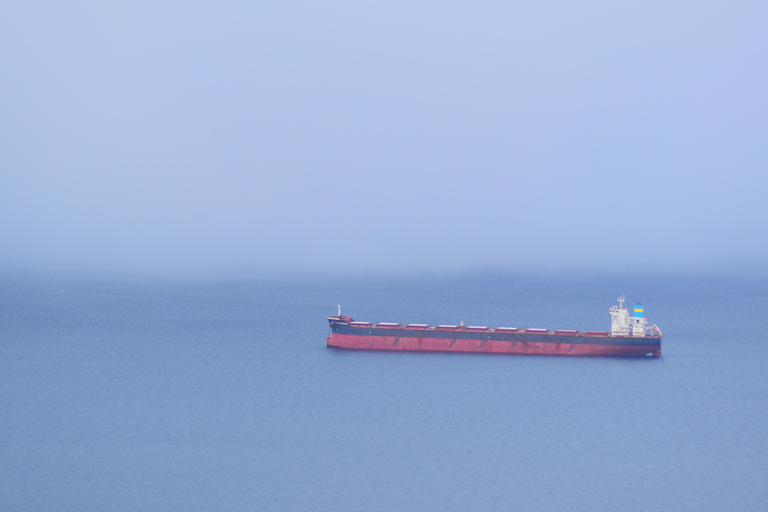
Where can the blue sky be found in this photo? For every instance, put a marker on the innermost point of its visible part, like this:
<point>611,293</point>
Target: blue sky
<point>247,139</point>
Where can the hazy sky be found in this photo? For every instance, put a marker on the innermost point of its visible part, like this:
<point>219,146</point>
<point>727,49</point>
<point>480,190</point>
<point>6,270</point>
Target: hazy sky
<point>245,139</point>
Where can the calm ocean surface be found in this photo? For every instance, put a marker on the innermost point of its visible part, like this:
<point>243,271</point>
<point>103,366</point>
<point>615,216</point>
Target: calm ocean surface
<point>140,395</point>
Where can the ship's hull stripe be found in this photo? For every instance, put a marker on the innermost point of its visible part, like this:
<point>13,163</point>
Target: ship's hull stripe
<point>490,346</point>
<point>479,337</point>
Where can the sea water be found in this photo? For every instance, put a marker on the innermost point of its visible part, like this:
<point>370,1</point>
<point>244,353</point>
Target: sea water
<point>127,395</point>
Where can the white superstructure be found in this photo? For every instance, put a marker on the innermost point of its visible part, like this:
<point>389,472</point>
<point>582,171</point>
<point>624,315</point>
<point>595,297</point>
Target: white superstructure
<point>624,325</point>
<point>619,319</point>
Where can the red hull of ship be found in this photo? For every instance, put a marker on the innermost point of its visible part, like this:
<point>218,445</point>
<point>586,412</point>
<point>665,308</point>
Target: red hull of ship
<point>364,342</point>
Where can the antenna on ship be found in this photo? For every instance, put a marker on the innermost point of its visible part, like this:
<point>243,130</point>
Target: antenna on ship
<point>339,306</point>
<point>620,299</point>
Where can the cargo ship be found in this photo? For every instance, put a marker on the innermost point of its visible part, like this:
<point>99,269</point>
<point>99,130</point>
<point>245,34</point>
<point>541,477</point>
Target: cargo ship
<point>629,336</point>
